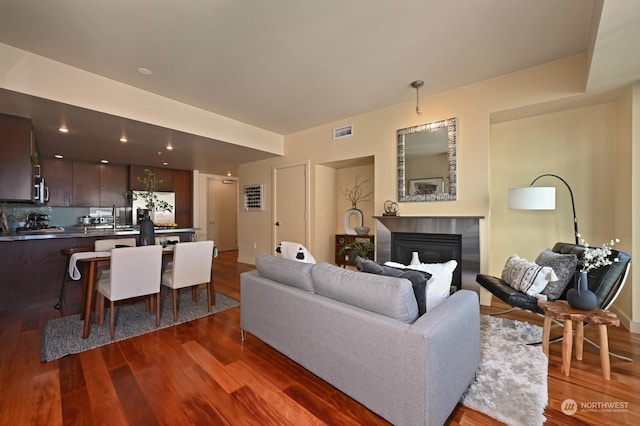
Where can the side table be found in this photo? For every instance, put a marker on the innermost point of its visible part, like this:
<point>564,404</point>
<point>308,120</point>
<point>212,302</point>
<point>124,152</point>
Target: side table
<point>561,310</point>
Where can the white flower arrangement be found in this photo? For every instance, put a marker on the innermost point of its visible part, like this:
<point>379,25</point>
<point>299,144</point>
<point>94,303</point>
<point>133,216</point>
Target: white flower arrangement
<point>594,258</point>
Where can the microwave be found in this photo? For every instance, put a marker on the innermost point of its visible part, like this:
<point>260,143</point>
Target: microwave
<point>40,191</point>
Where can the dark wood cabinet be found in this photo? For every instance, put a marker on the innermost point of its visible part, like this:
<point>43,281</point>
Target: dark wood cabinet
<point>114,181</point>
<point>344,239</point>
<point>183,188</point>
<point>75,183</point>
<point>165,175</point>
<point>59,178</point>
<point>86,184</point>
<point>16,171</point>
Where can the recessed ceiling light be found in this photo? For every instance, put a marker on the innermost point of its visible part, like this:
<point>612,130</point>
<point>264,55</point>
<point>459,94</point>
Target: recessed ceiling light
<point>104,161</point>
<point>63,129</point>
<point>165,164</point>
<point>123,139</point>
<point>58,156</point>
<point>169,147</point>
<point>229,173</point>
<point>144,71</point>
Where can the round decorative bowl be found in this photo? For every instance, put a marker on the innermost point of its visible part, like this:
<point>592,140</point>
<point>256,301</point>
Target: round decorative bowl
<point>361,230</point>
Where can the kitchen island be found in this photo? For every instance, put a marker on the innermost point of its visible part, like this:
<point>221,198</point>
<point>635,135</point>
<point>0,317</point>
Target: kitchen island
<point>32,267</point>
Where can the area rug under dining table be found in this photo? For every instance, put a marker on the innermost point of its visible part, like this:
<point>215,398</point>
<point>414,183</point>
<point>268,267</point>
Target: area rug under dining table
<point>63,336</point>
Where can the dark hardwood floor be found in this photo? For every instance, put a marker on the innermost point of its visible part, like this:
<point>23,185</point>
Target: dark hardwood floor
<point>202,373</point>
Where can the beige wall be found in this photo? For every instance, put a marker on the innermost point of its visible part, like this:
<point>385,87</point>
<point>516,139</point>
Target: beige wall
<point>531,122</point>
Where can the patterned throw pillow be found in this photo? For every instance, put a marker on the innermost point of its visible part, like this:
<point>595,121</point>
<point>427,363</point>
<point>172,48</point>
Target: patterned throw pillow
<point>564,265</point>
<point>526,276</point>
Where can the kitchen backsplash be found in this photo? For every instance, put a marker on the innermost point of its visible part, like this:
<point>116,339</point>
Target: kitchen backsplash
<point>62,216</point>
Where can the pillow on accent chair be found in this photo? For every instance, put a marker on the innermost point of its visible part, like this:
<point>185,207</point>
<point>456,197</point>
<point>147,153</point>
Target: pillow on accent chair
<point>527,277</point>
<point>418,279</point>
<point>564,265</point>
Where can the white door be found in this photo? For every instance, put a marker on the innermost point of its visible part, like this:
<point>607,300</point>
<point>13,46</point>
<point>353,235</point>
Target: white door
<point>290,206</point>
<point>222,213</point>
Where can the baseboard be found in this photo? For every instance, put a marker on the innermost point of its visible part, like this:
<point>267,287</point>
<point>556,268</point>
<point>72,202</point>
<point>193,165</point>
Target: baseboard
<point>250,261</point>
<point>625,320</point>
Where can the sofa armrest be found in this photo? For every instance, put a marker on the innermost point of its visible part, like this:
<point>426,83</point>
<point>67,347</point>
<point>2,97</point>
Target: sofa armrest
<point>449,338</point>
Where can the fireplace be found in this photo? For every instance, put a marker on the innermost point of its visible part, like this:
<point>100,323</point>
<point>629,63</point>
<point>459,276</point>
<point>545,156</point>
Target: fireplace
<point>436,239</point>
<point>431,248</point>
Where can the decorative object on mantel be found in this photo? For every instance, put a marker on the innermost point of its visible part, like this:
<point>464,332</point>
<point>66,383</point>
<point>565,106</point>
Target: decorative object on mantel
<point>390,208</point>
<point>149,195</point>
<point>580,297</point>
<point>355,195</point>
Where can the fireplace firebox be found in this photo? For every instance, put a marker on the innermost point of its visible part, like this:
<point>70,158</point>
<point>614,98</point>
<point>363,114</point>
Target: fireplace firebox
<point>431,248</point>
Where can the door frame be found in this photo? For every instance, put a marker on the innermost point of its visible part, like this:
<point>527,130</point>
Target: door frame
<point>307,201</point>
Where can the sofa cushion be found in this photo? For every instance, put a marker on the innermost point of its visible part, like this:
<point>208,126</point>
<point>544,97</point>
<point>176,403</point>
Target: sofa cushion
<point>564,265</point>
<point>285,271</point>
<point>418,279</point>
<point>526,276</point>
<point>389,296</point>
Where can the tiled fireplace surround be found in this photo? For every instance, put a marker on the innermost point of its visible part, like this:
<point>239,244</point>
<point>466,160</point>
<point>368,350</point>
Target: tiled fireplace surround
<point>422,228</point>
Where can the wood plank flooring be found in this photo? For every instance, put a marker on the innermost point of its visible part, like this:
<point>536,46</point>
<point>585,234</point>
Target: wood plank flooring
<point>202,373</point>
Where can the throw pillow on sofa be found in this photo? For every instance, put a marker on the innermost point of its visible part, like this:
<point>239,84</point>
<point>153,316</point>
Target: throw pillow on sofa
<point>526,276</point>
<point>564,265</point>
<point>418,279</point>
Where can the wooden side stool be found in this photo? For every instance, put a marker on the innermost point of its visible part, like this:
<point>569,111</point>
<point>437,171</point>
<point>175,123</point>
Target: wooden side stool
<point>561,310</point>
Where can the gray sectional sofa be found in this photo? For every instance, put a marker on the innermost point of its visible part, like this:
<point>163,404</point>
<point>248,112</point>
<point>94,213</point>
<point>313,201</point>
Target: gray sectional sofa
<point>361,333</point>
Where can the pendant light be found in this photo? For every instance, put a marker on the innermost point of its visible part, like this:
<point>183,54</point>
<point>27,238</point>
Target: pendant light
<point>417,85</point>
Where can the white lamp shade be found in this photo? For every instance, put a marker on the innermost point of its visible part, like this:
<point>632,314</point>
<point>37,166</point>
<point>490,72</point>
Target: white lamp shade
<point>532,198</point>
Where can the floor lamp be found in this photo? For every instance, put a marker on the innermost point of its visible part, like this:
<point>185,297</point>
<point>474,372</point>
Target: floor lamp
<point>540,198</point>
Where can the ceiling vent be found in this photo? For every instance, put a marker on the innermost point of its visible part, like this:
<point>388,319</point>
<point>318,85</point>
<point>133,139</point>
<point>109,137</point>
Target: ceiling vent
<point>342,132</point>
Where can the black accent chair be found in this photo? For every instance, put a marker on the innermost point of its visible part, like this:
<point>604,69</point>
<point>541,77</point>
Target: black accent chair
<point>606,282</point>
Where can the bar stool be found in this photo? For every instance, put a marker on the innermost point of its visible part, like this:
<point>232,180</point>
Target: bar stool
<point>65,273</point>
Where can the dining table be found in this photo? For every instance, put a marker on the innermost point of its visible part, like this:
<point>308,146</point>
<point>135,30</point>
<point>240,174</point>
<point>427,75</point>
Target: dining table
<point>89,262</point>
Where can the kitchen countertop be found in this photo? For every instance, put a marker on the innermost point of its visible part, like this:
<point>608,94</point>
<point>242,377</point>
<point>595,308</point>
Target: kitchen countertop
<point>81,232</point>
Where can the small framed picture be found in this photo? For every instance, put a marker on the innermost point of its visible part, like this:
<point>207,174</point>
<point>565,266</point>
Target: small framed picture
<point>426,186</point>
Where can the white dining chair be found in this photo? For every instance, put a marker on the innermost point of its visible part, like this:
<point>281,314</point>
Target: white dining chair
<point>191,267</point>
<point>134,272</point>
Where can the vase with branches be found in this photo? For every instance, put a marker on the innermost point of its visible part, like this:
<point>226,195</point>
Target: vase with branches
<point>355,195</point>
<point>149,195</point>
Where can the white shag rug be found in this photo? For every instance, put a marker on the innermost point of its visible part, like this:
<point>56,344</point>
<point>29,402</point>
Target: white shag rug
<point>511,382</point>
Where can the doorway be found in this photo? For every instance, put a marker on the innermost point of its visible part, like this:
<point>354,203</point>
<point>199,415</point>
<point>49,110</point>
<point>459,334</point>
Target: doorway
<point>291,198</point>
<point>222,213</point>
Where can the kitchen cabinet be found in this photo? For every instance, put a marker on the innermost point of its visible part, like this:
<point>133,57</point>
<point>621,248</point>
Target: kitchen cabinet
<point>16,171</point>
<point>114,180</point>
<point>75,183</point>
<point>166,175</point>
<point>86,184</point>
<point>59,178</point>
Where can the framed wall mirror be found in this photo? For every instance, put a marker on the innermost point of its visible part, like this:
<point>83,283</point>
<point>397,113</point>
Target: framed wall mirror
<point>427,162</point>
